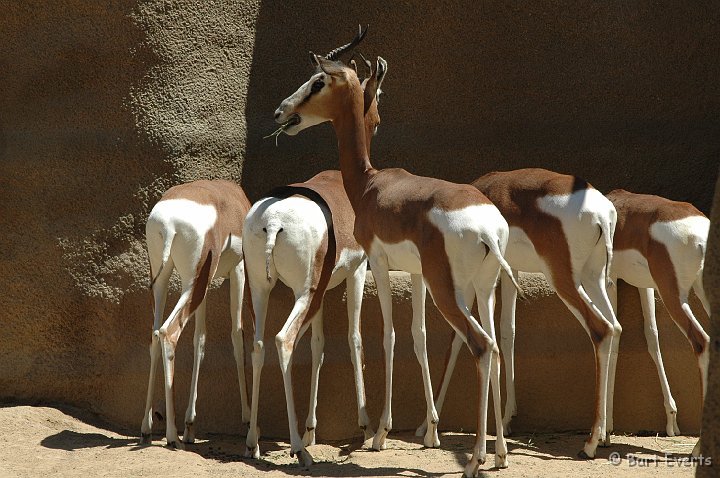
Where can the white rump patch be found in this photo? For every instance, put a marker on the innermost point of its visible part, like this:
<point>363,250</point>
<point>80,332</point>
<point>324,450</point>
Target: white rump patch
<point>185,214</point>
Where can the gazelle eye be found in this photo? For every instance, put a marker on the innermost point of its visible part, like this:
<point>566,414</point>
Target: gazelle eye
<point>317,86</point>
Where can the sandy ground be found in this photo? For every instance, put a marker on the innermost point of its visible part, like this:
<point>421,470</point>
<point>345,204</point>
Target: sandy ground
<point>42,441</point>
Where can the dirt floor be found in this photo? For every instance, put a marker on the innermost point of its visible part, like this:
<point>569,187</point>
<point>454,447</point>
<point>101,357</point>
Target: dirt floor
<point>43,441</point>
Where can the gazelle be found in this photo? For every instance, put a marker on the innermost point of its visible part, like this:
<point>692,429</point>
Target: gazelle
<point>448,236</point>
<point>563,227</point>
<point>302,234</point>
<point>660,244</point>
<point>195,228</point>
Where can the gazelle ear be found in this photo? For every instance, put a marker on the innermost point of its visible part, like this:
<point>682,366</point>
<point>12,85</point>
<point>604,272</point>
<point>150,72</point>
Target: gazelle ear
<point>370,90</point>
<point>353,65</point>
<point>382,68</point>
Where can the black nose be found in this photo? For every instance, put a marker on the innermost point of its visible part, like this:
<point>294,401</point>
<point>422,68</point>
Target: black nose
<point>277,114</point>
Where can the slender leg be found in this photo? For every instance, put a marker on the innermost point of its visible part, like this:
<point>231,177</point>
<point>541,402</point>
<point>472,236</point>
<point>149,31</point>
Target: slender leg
<point>317,343</point>
<point>594,284</point>
<point>159,290</point>
<point>237,295</point>
<point>483,366</point>
<point>456,343</point>
<point>199,354</point>
<point>647,301</point>
<point>285,341</point>
<point>484,289</point>
<point>699,289</point>
<point>355,285</point>
<point>168,335</point>
<point>600,332</point>
<point>507,345</point>
<point>419,340</point>
<point>380,271</point>
<point>260,292</point>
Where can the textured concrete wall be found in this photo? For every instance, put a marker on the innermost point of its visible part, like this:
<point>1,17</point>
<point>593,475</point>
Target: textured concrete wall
<point>106,105</point>
<point>711,277</point>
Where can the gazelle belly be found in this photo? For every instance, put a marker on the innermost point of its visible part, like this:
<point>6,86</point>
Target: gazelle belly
<point>402,256</point>
<point>632,267</point>
<point>521,254</point>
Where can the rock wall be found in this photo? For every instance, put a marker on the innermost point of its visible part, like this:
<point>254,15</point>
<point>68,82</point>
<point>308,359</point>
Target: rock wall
<point>106,105</point>
<point>711,278</point>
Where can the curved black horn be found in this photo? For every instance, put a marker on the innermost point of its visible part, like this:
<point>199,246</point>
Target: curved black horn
<point>334,54</point>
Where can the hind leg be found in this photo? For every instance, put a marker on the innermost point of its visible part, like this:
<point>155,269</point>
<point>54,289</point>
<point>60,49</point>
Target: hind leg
<point>286,341</point>
<point>484,285</point>
<point>159,291</point>
<point>600,331</point>
<point>647,301</point>
<point>317,344</point>
<point>199,354</point>
<point>260,292</point>
<point>507,345</point>
<point>168,336</point>
<point>595,284</point>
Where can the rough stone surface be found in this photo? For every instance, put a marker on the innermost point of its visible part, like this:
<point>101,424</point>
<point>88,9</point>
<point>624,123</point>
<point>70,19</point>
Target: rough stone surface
<point>711,278</point>
<point>107,104</point>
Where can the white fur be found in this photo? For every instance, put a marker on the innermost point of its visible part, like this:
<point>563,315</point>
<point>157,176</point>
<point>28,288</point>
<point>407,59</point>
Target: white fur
<point>175,235</point>
<point>292,260</point>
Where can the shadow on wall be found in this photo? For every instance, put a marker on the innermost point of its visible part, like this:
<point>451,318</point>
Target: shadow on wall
<point>616,94</point>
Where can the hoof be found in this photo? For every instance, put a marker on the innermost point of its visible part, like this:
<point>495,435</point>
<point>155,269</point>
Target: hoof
<point>304,458</point>
<point>606,441</point>
<point>501,461</point>
<point>431,440</point>
<point>309,437</point>
<point>379,440</point>
<point>253,452</point>
<point>471,469</point>
<point>584,456</point>
<point>176,445</point>
<point>146,438</point>
<point>507,431</point>
<point>189,434</point>
<point>368,432</point>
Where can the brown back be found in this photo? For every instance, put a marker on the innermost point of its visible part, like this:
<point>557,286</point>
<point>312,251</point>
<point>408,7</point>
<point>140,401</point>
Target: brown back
<point>639,212</point>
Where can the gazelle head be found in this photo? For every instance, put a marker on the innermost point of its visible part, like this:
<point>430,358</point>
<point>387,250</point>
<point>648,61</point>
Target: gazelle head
<point>329,91</point>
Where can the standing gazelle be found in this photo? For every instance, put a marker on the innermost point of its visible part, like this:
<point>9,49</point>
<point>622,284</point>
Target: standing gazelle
<point>660,244</point>
<point>448,236</point>
<point>302,234</point>
<point>563,227</point>
<point>195,228</point>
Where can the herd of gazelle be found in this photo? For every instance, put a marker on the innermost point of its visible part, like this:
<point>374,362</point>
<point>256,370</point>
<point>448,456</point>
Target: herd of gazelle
<point>455,240</point>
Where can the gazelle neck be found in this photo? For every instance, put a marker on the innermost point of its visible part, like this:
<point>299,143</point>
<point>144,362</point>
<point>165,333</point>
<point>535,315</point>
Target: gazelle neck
<point>354,161</point>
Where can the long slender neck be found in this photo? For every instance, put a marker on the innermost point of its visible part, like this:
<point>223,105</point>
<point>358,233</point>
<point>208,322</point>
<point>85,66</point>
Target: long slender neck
<point>354,161</point>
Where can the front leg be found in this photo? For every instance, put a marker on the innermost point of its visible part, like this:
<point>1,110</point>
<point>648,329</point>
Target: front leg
<point>379,266</point>
<point>419,334</point>
<point>355,286</point>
